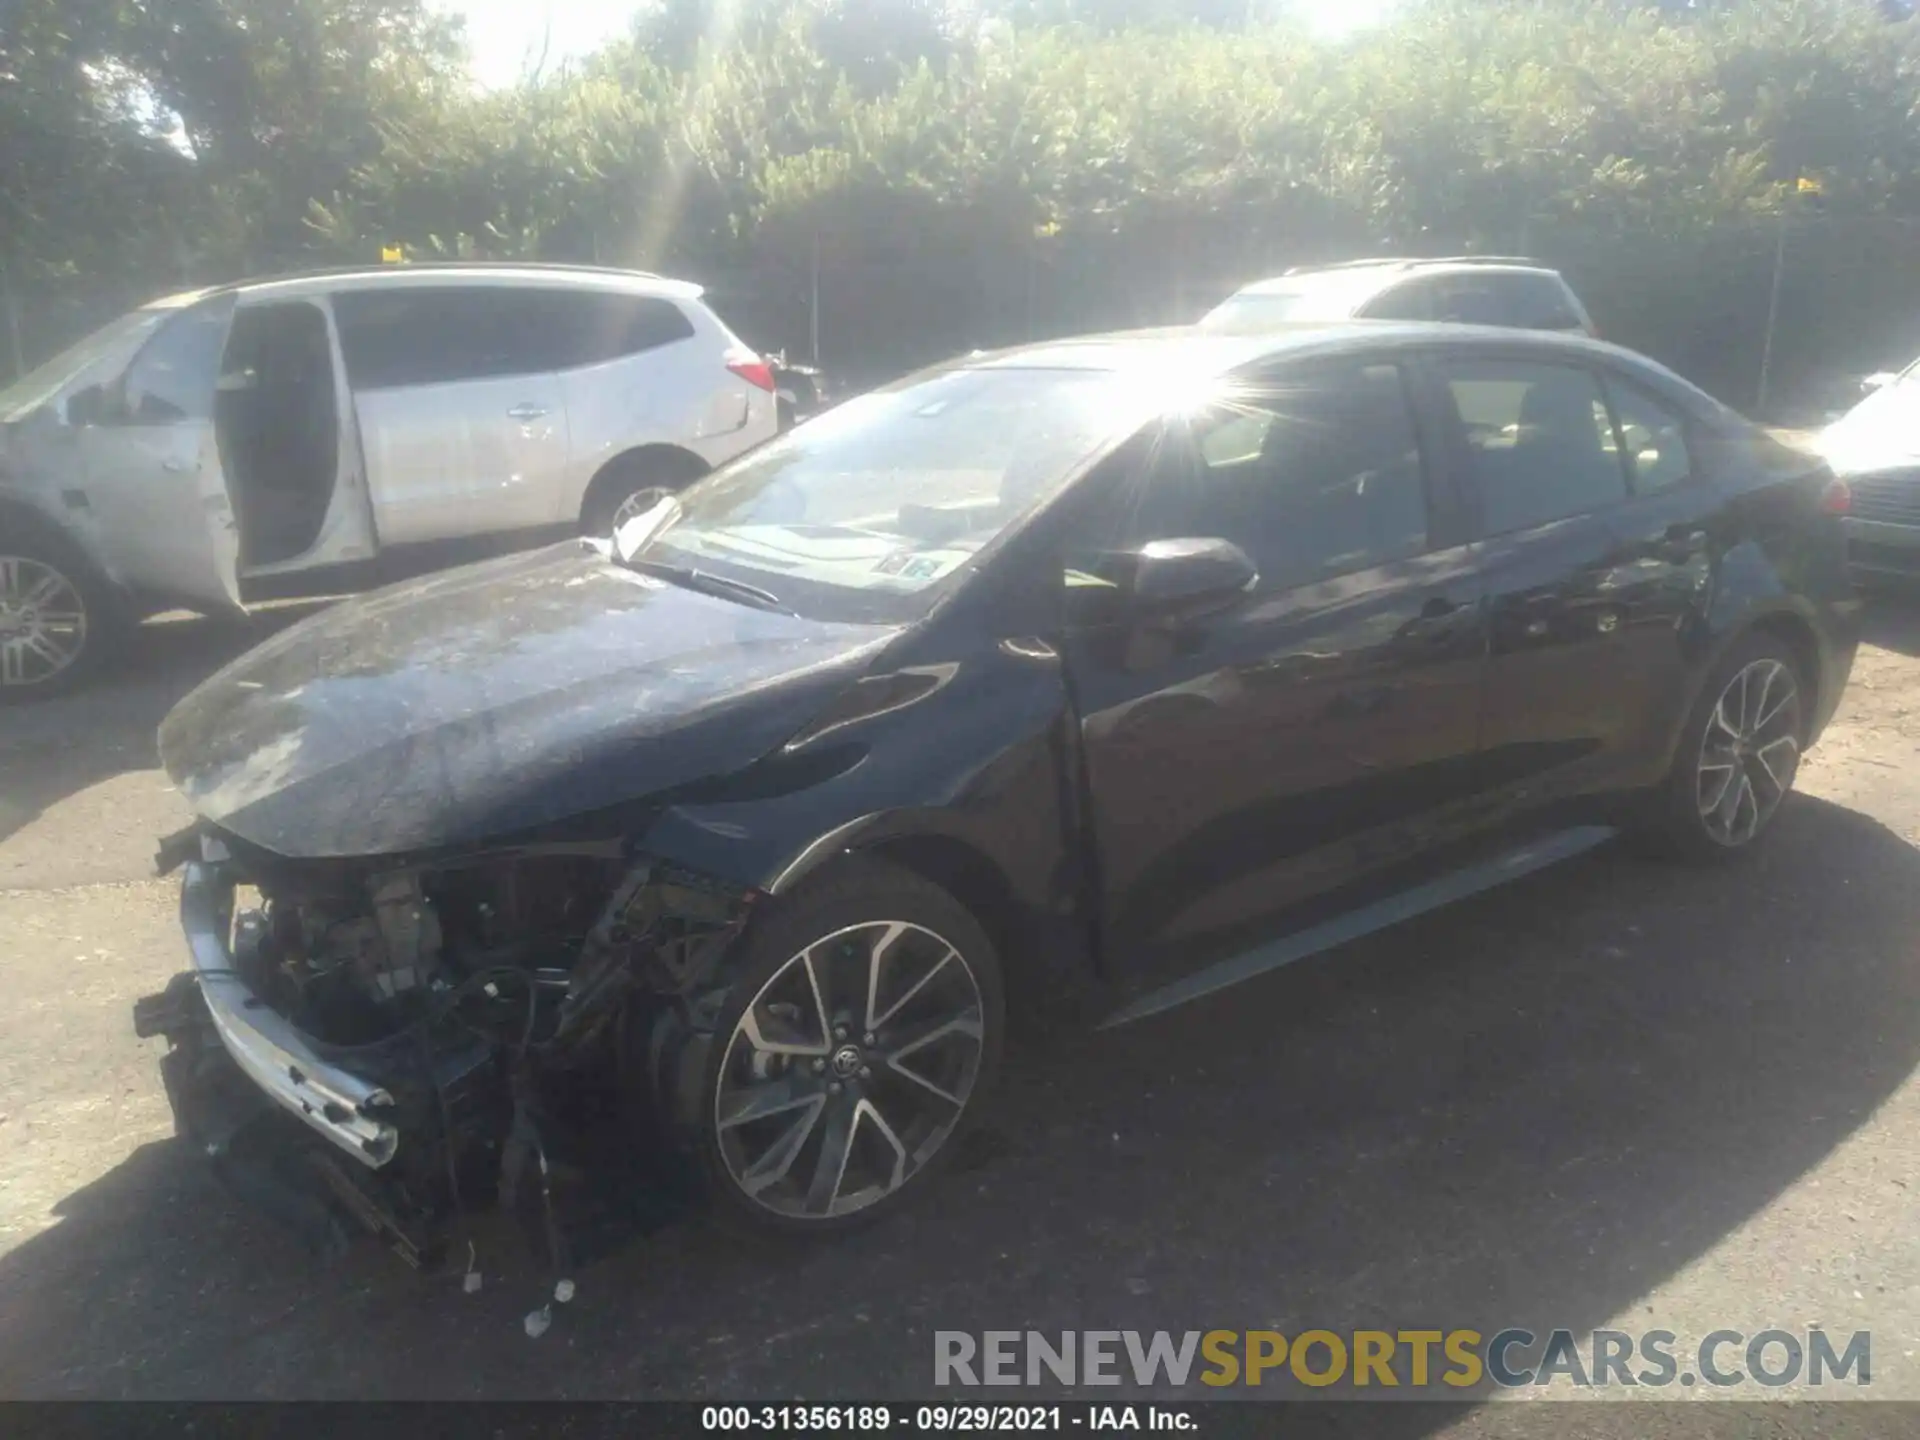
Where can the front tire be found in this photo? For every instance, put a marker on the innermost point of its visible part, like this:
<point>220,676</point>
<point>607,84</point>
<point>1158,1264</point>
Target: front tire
<point>856,1044</point>
<point>59,618</point>
<point>631,485</point>
<point>1738,755</point>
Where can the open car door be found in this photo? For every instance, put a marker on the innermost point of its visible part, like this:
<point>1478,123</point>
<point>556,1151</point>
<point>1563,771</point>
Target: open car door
<point>153,479</point>
<point>288,443</point>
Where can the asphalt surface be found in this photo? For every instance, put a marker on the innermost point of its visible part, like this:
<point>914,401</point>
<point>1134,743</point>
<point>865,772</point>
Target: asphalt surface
<point>1615,1094</point>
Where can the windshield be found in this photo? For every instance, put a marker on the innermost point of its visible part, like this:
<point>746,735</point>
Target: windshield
<point>112,341</point>
<point>1310,298</point>
<point>871,510</point>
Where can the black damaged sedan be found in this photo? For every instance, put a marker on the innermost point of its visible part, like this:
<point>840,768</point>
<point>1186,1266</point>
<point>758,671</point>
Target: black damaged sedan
<point>1072,680</point>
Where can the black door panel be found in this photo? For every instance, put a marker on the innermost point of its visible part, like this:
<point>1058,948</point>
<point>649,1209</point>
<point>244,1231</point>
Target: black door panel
<point>1556,659</point>
<point>1539,457</point>
<point>1244,761</point>
<point>1239,766</point>
<point>1671,534</point>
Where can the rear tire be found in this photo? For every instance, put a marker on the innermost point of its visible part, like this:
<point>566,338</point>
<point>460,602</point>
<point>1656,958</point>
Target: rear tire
<point>1738,754</point>
<point>629,484</point>
<point>60,619</point>
<point>856,1044</point>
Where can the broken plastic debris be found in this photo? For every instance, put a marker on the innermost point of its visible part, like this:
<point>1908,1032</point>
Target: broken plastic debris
<point>563,1291</point>
<point>538,1320</point>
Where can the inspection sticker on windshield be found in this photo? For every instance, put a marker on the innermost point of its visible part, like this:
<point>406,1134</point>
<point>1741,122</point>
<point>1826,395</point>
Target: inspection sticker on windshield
<point>919,564</point>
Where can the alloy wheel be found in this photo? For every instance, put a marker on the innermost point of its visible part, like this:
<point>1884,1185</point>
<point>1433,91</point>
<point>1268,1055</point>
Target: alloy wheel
<point>849,1070</point>
<point>43,622</point>
<point>1750,752</point>
<point>637,504</point>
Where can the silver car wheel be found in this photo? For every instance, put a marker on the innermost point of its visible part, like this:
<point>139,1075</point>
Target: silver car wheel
<point>637,504</point>
<point>849,1070</point>
<point>43,622</point>
<point>1749,753</point>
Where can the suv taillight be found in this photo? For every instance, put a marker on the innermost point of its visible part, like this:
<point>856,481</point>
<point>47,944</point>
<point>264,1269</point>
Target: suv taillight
<point>751,368</point>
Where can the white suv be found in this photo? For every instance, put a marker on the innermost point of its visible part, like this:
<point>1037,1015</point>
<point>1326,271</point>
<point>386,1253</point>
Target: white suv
<point>312,433</point>
<point>1460,290</point>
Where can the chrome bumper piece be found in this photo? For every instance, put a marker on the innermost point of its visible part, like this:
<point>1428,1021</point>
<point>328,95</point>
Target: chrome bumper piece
<point>349,1111</point>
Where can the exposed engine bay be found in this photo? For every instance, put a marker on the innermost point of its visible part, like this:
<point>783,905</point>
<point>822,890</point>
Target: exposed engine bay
<point>496,1012</point>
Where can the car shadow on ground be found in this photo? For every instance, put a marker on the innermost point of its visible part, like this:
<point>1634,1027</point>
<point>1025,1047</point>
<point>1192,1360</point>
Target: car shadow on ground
<point>1529,1109</point>
<point>1892,620</point>
<point>50,749</point>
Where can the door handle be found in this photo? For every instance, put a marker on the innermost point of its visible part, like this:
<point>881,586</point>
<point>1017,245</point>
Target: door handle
<point>526,412</point>
<point>178,465</point>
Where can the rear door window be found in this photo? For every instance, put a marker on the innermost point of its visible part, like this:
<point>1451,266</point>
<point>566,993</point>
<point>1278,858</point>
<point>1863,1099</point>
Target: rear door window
<point>1515,299</point>
<point>1655,437</point>
<point>419,335</point>
<point>1409,300</point>
<point>1538,438</point>
<point>1539,302</point>
<point>1472,300</point>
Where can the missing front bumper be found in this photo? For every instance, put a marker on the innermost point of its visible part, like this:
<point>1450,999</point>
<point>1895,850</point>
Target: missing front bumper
<point>256,1150</point>
<point>353,1113</point>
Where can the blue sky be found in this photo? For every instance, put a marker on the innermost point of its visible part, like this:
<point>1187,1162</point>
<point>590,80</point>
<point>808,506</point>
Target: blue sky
<point>506,36</point>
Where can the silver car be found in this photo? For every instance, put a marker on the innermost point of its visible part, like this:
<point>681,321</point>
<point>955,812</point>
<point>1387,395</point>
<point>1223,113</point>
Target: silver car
<point>1875,448</point>
<point>312,433</point>
<point>1461,290</point>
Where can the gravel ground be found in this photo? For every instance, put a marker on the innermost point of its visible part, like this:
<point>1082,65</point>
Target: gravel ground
<point>1613,1095</point>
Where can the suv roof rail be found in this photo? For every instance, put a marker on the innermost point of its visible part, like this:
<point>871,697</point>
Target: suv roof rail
<point>1350,264</point>
<point>1408,261</point>
<point>414,267</point>
<point>1484,260</point>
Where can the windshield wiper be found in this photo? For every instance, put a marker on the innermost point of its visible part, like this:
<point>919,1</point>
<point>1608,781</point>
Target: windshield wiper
<point>713,584</point>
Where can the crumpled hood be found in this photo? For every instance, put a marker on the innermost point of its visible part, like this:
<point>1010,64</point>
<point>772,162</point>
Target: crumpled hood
<point>495,698</point>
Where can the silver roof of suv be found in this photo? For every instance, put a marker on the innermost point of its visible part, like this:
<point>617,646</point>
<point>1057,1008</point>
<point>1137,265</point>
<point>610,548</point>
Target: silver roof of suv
<point>440,272</point>
<point>1395,267</point>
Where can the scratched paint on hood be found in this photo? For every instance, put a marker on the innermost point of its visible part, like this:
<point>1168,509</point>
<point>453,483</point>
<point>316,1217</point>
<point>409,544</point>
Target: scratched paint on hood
<point>495,698</point>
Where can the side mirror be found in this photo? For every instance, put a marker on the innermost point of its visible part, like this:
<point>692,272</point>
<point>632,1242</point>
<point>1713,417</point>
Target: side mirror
<point>1171,579</point>
<point>1879,380</point>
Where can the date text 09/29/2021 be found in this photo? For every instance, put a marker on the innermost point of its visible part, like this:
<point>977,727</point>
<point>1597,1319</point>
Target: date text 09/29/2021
<point>935,1419</point>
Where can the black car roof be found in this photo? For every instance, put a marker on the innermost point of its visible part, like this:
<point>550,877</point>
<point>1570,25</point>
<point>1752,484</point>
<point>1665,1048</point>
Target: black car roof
<point>1200,352</point>
<point>1211,350</point>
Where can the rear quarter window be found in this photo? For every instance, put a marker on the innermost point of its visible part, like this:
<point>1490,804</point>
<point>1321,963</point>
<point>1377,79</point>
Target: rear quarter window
<point>589,329</point>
